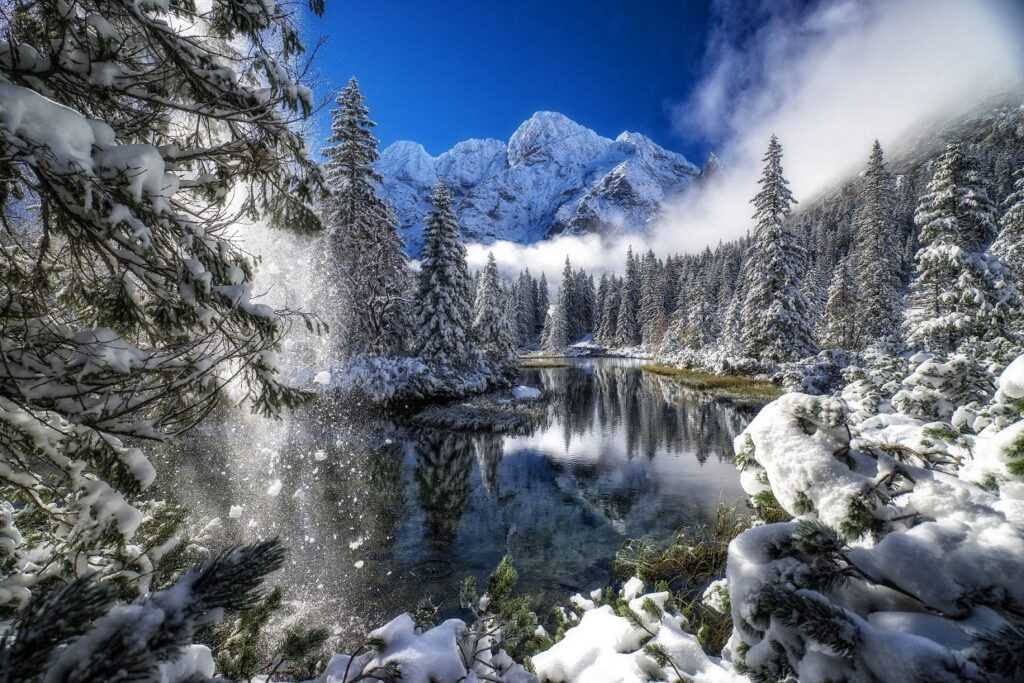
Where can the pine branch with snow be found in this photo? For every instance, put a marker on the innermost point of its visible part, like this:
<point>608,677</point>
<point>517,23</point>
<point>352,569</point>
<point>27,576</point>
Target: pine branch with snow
<point>77,633</point>
<point>132,149</point>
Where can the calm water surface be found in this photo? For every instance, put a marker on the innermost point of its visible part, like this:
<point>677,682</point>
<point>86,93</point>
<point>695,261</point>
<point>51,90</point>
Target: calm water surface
<point>621,454</point>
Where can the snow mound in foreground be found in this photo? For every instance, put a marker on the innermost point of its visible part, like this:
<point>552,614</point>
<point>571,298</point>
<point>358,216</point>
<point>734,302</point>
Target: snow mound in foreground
<point>603,647</point>
<point>425,656</point>
<point>896,566</point>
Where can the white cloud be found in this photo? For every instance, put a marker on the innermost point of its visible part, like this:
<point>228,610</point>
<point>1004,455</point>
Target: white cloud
<point>827,80</point>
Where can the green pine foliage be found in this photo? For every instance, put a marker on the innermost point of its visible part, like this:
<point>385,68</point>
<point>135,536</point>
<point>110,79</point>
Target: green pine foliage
<point>502,612</point>
<point>77,633</point>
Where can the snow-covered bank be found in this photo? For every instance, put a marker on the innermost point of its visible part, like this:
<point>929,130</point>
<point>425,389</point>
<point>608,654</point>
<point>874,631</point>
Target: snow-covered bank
<point>819,374</point>
<point>501,412</point>
<point>642,638</point>
<point>394,381</point>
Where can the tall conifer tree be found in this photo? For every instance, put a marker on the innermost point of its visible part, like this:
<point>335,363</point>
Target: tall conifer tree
<point>493,325</point>
<point>556,331</point>
<point>543,303</point>
<point>653,321</point>
<point>607,333</point>
<point>443,335</point>
<point>526,309</point>
<point>960,291</point>
<point>627,331</point>
<point>775,311</point>
<point>365,253</point>
<point>842,312</point>
<point>879,257</point>
<point>1010,244</point>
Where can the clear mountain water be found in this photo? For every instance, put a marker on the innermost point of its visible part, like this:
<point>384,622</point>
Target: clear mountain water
<point>378,517</point>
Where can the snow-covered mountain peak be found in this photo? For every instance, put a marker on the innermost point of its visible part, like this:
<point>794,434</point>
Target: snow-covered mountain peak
<point>408,161</point>
<point>548,135</point>
<point>638,140</point>
<point>471,161</point>
<point>554,176</point>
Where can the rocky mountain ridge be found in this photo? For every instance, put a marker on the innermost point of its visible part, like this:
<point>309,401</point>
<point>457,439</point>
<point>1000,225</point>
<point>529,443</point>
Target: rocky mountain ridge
<point>554,176</point>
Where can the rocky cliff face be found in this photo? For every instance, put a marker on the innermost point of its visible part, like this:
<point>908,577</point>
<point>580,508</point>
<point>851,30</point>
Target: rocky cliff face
<point>554,176</point>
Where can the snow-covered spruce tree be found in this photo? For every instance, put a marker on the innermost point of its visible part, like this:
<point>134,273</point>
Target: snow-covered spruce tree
<point>653,321</point>
<point>444,315</point>
<point>731,339</point>
<point>486,305</point>
<point>504,353</point>
<point>814,287</point>
<point>843,316</point>
<point>627,327</point>
<point>526,309</point>
<point>135,139</point>
<point>494,319</point>
<point>571,300</point>
<point>600,297</point>
<point>556,327</point>
<point>1009,246</point>
<point>588,301</point>
<point>878,255</point>
<point>960,292</point>
<point>364,267</point>
<point>543,303</point>
<point>702,322</point>
<point>607,333</point>
<point>775,326</point>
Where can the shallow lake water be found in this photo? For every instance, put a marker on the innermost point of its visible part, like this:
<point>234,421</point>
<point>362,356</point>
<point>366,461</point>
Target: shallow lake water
<point>378,518</point>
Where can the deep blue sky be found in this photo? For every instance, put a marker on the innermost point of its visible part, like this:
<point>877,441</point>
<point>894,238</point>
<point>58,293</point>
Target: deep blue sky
<point>440,71</point>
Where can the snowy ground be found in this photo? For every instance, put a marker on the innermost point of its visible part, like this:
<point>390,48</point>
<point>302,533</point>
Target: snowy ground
<point>386,380</point>
<point>602,646</point>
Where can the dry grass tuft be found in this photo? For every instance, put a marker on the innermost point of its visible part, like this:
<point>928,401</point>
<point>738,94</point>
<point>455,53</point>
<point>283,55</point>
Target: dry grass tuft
<point>543,364</point>
<point>692,559</point>
<point>725,385</point>
<point>686,565</point>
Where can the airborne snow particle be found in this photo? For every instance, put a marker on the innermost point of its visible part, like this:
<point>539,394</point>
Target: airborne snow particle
<point>235,512</point>
<point>274,488</point>
<point>359,564</point>
<point>323,377</point>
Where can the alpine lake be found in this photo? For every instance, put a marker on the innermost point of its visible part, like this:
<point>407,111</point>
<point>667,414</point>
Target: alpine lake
<point>379,517</point>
